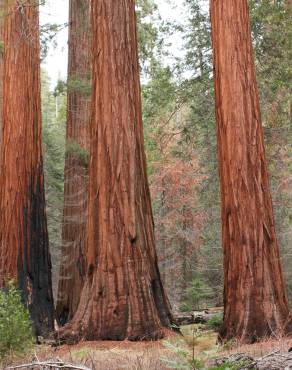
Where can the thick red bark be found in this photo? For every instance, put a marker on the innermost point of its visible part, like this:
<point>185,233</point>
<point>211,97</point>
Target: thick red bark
<point>255,298</point>
<point>123,295</point>
<point>24,254</point>
<point>73,262</point>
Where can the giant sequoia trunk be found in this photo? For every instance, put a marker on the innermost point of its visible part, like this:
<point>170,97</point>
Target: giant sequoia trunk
<point>254,293</point>
<point>73,265</point>
<point>24,254</point>
<point>123,295</point>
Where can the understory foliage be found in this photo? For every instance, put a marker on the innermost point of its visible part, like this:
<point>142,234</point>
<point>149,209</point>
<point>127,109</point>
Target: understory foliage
<point>15,325</point>
<point>196,293</point>
<point>54,123</point>
<point>72,147</point>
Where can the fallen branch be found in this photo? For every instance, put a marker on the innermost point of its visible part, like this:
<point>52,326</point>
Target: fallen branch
<point>49,365</point>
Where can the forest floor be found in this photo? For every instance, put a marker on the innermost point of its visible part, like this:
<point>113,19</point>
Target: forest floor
<point>102,355</point>
<point>174,349</point>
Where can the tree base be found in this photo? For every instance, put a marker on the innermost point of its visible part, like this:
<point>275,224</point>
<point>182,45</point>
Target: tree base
<point>71,334</point>
<point>254,333</point>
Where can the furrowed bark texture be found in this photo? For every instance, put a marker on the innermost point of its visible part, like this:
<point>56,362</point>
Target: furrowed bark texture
<point>123,295</point>
<point>24,253</point>
<point>255,298</point>
<point>73,262</point>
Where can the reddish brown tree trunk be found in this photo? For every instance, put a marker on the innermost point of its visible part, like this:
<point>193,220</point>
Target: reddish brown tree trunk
<point>122,296</point>
<point>24,253</point>
<point>73,265</point>
<point>254,293</point>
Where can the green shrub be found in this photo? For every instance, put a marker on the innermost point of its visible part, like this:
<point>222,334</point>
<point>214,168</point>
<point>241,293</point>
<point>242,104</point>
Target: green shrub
<point>15,325</point>
<point>79,85</point>
<point>215,322</point>
<point>73,148</point>
<point>197,293</point>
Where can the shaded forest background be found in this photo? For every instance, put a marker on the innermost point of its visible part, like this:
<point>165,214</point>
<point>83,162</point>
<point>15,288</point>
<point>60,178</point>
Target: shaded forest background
<point>180,138</point>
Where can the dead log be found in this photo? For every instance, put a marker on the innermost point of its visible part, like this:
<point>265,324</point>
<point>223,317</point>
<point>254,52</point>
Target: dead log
<point>195,317</point>
<point>241,360</point>
<point>277,360</point>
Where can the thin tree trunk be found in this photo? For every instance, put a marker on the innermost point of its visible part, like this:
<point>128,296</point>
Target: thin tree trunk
<point>123,295</point>
<point>24,254</point>
<point>73,264</point>
<point>255,299</point>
